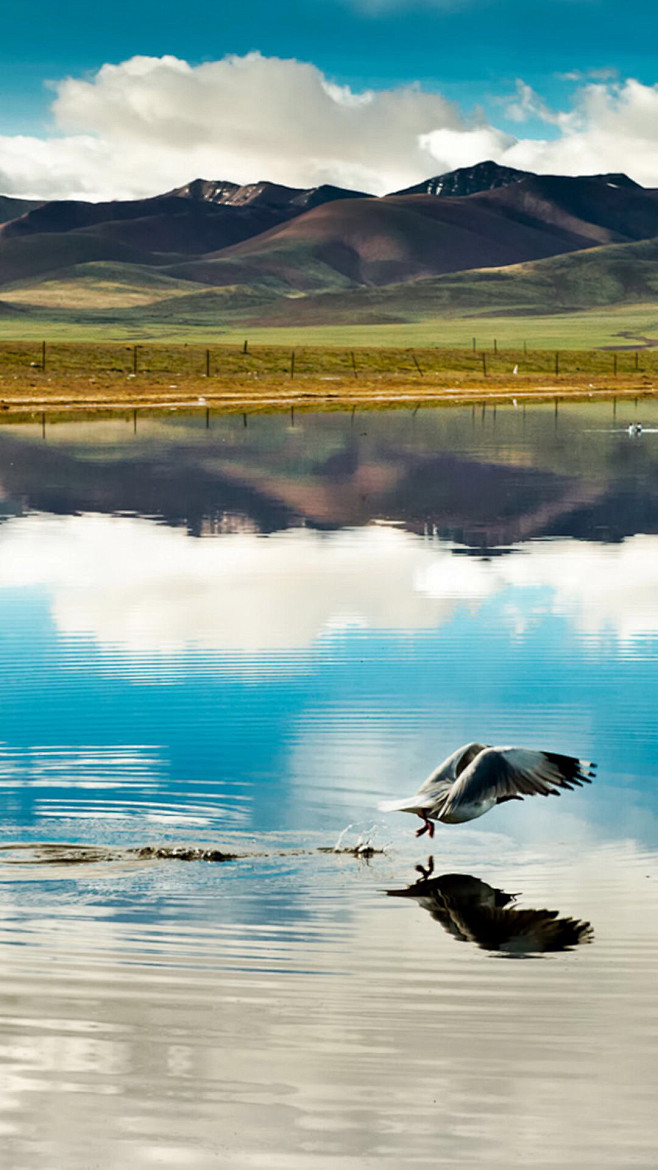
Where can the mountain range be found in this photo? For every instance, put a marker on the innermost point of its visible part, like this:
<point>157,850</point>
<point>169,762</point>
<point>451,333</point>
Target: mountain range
<point>264,253</point>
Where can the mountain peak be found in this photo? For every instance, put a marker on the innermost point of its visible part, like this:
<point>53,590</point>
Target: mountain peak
<point>483,176</point>
<point>208,190</point>
<point>262,192</point>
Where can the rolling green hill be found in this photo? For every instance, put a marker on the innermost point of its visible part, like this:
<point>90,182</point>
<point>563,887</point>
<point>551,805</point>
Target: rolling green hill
<point>612,275</point>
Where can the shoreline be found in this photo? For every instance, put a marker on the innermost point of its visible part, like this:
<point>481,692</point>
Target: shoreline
<point>65,394</point>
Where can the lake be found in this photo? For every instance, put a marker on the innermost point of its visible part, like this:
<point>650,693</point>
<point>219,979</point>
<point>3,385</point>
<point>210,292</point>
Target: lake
<point>224,640</point>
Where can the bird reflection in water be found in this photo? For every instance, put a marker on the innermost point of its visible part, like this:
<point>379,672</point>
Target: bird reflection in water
<point>473,911</point>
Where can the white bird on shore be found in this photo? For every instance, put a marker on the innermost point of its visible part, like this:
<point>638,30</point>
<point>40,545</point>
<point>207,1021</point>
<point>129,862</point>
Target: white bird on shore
<point>476,777</point>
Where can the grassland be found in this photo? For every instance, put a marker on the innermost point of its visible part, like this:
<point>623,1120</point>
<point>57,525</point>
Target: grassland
<point>224,377</point>
<point>626,326</point>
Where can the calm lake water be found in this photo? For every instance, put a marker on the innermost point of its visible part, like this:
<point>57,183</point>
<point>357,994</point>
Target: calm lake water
<point>238,634</point>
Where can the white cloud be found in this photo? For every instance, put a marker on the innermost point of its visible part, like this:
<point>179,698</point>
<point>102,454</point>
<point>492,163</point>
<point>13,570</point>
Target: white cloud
<point>611,127</point>
<point>464,148</point>
<point>528,104</point>
<point>152,123</point>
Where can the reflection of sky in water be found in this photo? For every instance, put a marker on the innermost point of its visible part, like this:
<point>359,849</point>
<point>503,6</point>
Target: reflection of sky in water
<point>259,693</point>
<point>291,681</point>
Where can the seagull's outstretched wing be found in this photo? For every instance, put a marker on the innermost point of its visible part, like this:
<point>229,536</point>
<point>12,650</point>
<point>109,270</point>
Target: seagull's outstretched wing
<point>438,785</point>
<point>499,774</point>
<point>451,768</point>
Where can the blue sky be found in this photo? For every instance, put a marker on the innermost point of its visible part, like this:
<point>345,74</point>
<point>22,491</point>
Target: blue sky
<point>472,53</point>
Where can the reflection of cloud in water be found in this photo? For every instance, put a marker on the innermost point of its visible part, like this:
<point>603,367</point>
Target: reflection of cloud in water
<point>136,583</point>
<point>95,766</point>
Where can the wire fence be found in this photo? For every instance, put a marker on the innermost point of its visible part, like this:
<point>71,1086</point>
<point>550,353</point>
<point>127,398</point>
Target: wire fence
<point>230,361</point>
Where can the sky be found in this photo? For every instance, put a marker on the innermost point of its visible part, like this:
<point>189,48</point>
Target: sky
<point>133,99</point>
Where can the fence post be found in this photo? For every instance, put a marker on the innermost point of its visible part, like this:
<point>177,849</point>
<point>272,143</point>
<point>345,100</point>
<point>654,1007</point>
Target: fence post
<point>292,364</point>
<point>417,363</point>
<point>484,364</point>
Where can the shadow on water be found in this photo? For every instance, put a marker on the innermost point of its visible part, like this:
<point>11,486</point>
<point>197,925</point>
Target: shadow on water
<point>473,911</point>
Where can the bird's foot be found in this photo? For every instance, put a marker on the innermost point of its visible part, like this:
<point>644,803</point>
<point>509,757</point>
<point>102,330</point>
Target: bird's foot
<point>427,827</point>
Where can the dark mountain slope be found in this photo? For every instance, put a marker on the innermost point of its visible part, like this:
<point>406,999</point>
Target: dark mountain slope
<point>398,238</point>
<point>65,215</point>
<point>10,208</point>
<point>149,224</point>
<point>195,228</point>
<point>603,212</point>
<point>33,256</point>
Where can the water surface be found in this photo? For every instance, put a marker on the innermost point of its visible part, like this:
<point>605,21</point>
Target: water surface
<point>238,634</point>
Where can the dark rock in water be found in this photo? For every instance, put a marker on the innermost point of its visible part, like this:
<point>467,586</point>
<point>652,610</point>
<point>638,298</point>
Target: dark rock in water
<point>180,853</point>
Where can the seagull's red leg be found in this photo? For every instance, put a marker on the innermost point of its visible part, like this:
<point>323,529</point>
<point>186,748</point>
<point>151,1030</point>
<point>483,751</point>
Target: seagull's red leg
<point>428,826</point>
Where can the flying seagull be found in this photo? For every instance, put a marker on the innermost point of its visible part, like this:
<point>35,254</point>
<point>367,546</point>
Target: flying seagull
<point>476,777</point>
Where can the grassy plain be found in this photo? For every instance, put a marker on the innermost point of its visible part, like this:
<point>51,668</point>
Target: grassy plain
<point>624,326</point>
<point>100,375</point>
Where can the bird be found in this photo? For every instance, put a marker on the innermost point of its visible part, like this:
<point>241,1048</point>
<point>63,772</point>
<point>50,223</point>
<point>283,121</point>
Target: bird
<point>473,911</point>
<point>477,776</point>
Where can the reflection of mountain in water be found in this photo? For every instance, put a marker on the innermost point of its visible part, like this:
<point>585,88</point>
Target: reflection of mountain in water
<point>172,486</point>
<point>473,911</point>
<point>480,484</point>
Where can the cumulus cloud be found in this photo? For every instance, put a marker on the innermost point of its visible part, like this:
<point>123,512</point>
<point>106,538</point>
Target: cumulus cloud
<point>611,127</point>
<point>151,123</point>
